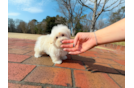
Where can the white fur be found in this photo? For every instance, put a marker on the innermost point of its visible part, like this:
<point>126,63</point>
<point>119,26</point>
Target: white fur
<point>51,46</point>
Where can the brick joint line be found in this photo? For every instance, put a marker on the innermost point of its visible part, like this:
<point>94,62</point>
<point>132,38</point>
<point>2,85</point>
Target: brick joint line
<point>37,84</point>
<point>114,80</point>
<point>29,73</point>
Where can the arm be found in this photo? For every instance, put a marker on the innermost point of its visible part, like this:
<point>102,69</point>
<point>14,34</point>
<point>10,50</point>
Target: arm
<point>112,33</point>
<point>86,40</point>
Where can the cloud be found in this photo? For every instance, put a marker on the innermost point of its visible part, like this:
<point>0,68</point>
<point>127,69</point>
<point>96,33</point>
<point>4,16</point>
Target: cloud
<point>32,6</point>
<point>21,2</point>
<point>33,10</point>
<point>13,14</point>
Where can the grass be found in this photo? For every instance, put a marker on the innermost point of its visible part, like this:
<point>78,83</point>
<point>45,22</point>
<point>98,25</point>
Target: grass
<point>119,43</point>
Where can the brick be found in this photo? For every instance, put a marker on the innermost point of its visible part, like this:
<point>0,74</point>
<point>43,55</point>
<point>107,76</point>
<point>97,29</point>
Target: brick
<point>98,67</point>
<point>82,58</point>
<point>30,53</point>
<point>122,62</point>
<point>15,47</point>
<point>50,87</point>
<point>111,46</point>
<point>39,61</point>
<point>120,68</point>
<point>20,44</point>
<point>17,51</point>
<point>114,46</point>
<point>105,56</point>
<point>118,47</point>
<point>71,64</point>
<point>28,48</point>
<point>120,79</point>
<point>86,79</point>
<point>12,85</point>
<point>18,71</point>
<point>50,75</point>
<point>119,57</point>
<point>31,45</point>
<point>104,61</point>
<point>88,54</point>
<point>108,45</point>
<point>122,48</point>
<point>17,58</point>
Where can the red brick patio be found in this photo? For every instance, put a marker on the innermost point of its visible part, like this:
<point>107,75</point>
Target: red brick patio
<point>96,68</point>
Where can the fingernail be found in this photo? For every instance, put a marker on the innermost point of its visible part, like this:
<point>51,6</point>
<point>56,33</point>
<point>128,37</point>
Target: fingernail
<point>73,45</point>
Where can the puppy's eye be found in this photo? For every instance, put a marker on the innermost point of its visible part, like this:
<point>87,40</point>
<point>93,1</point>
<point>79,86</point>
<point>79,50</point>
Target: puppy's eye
<point>56,37</point>
<point>62,34</point>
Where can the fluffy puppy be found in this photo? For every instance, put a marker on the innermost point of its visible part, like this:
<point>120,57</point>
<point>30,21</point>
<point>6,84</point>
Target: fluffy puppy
<point>50,44</point>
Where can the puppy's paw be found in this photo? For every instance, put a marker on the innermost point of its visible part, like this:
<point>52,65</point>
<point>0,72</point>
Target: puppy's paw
<point>64,58</point>
<point>37,56</point>
<point>58,62</point>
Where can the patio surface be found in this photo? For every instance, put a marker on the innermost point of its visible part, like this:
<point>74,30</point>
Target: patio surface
<point>96,68</point>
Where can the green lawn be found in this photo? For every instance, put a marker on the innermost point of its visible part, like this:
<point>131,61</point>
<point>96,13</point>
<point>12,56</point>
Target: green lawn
<point>120,43</point>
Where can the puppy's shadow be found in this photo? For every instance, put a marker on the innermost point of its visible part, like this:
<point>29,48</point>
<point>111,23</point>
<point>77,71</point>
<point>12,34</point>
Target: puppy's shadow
<point>92,66</point>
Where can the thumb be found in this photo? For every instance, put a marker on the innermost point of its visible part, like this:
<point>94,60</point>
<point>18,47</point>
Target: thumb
<point>76,40</point>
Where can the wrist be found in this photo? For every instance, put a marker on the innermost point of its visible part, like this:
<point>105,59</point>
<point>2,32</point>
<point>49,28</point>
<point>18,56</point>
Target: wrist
<point>94,38</point>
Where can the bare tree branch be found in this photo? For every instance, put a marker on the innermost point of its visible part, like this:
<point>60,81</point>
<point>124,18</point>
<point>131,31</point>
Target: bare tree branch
<point>114,6</point>
<point>101,10</point>
<point>84,5</point>
<point>98,4</point>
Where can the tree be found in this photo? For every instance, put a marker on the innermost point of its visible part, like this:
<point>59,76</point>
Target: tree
<point>23,26</point>
<point>43,26</point>
<point>100,24</point>
<point>11,25</point>
<point>32,25</point>
<point>50,23</point>
<point>60,20</point>
<point>17,22</point>
<point>38,28</point>
<point>78,28</point>
<point>72,11</point>
<point>116,16</point>
<point>98,7</point>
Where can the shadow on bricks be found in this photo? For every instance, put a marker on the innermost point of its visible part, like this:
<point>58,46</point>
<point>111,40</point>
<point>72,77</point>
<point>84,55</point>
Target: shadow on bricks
<point>94,67</point>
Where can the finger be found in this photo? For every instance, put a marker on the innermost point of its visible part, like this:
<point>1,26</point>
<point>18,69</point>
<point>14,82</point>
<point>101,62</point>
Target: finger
<point>67,46</point>
<point>70,49</point>
<point>76,40</point>
<point>74,53</point>
<point>68,41</point>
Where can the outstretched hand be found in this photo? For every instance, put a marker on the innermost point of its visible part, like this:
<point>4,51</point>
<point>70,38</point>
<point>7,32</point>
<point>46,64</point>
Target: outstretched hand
<point>81,43</point>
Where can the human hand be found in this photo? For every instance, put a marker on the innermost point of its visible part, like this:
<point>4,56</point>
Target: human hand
<point>81,43</point>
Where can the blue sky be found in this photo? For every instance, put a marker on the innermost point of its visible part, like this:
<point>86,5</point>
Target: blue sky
<point>27,10</point>
<point>31,9</point>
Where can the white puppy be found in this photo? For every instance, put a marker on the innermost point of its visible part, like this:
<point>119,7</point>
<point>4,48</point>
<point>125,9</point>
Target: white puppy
<point>50,44</point>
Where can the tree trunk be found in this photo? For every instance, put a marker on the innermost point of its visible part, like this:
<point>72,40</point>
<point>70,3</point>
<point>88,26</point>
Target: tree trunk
<point>72,29</point>
<point>94,17</point>
<point>93,25</point>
